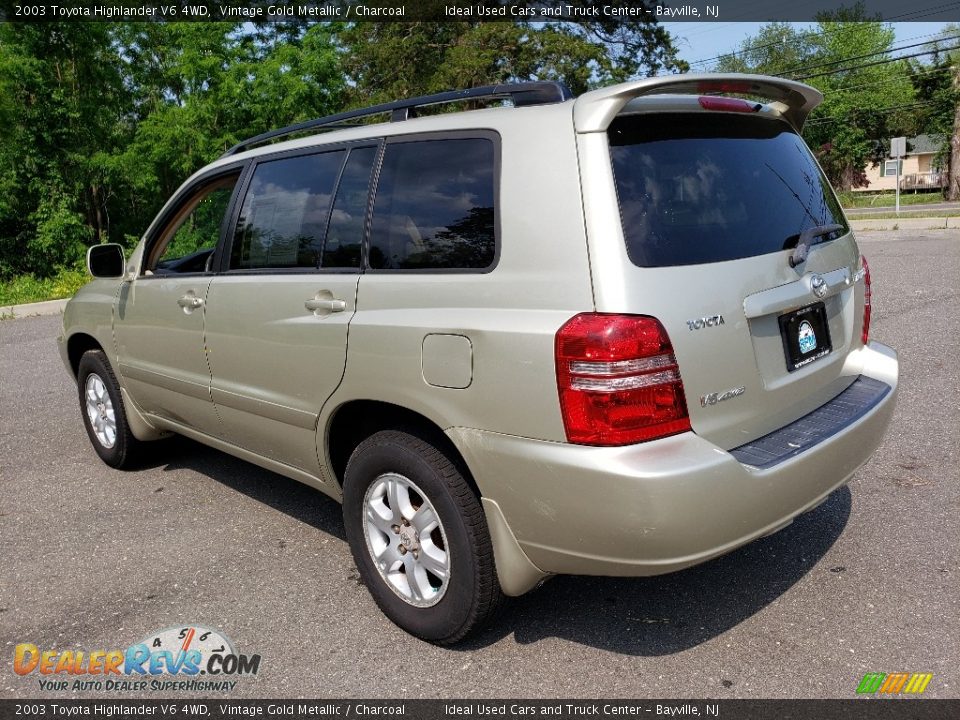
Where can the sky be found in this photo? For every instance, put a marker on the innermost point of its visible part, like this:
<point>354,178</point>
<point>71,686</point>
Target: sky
<point>706,40</point>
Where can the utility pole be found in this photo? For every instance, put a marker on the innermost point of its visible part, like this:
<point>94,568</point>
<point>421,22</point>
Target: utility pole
<point>953,178</point>
<point>898,148</point>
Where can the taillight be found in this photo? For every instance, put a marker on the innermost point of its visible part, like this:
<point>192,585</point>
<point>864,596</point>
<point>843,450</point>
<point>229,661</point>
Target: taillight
<point>618,380</point>
<point>865,335</point>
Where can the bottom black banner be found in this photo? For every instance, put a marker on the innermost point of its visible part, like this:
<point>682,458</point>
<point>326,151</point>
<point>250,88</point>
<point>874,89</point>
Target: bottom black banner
<point>860,709</point>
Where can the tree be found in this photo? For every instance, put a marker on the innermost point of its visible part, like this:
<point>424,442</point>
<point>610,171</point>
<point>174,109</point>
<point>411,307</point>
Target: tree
<point>935,83</point>
<point>387,61</point>
<point>103,121</point>
<point>845,58</point>
<point>776,48</point>
<point>953,188</point>
<point>62,98</point>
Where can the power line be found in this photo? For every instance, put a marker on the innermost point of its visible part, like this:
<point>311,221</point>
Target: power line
<point>829,31</point>
<point>923,12</point>
<point>865,55</point>
<point>881,111</point>
<point>898,58</point>
<point>887,82</point>
<point>797,38</point>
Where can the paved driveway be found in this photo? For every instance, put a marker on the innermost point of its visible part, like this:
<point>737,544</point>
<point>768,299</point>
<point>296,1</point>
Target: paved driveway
<point>92,558</point>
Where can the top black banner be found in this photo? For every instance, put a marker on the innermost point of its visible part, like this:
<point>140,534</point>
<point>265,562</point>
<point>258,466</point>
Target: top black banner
<point>603,11</point>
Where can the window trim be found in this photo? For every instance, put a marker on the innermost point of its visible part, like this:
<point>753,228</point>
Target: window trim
<point>470,134</point>
<point>161,224</point>
<point>222,263</point>
<point>891,162</point>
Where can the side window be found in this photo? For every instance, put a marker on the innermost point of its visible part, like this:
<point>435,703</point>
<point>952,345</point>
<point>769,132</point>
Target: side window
<point>284,215</point>
<point>188,241</point>
<point>434,207</point>
<point>345,235</point>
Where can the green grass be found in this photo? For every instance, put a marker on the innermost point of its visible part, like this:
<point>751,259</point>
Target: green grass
<point>864,200</point>
<point>28,288</point>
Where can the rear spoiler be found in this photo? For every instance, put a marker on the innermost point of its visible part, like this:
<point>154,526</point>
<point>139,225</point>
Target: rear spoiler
<point>595,110</point>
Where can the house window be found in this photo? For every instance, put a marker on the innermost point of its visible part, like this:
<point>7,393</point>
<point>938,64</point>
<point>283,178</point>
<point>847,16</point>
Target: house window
<point>890,167</point>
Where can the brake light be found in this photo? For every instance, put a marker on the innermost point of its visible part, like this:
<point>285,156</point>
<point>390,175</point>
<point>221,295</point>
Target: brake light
<point>618,380</point>
<point>865,335</point>
<point>726,104</point>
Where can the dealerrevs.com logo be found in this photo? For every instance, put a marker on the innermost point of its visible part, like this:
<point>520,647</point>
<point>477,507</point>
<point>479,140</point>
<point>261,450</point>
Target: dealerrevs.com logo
<point>186,653</point>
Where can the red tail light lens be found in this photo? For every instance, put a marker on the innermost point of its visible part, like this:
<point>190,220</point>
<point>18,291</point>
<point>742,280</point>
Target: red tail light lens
<point>618,380</point>
<point>865,335</point>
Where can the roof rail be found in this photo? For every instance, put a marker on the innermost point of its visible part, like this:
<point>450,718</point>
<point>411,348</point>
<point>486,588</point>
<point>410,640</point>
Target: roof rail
<point>522,94</point>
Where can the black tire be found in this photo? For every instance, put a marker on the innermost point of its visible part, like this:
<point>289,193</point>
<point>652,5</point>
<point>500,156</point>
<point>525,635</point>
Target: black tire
<point>471,595</point>
<point>125,446</point>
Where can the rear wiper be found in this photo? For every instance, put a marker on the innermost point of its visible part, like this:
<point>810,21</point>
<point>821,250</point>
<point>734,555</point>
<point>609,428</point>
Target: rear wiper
<point>806,240</point>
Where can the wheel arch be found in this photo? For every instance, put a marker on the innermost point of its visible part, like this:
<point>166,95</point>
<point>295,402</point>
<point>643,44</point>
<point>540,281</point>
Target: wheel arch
<point>82,342</point>
<point>78,344</point>
<point>356,420</point>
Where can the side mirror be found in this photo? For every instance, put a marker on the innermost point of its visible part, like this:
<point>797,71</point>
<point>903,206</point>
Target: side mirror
<point>106,261</point>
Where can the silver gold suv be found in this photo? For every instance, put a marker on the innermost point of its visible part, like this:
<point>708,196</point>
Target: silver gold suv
<point>620,334</point>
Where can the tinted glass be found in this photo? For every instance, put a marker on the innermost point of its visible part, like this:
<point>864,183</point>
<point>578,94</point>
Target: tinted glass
<point>284,215</point>
<point>700,188</point>
<point>345,234</point>
<point>434,206</point>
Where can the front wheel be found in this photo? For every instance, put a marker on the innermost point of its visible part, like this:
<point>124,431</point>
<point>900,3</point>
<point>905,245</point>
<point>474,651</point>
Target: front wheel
<point>419,537</point>
<point>103,413</point>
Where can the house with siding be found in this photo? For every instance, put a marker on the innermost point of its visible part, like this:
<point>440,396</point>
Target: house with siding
<point>919,170</point>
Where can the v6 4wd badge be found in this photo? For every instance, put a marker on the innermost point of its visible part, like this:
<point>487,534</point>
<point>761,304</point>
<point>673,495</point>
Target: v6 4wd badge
<point>714,398</point>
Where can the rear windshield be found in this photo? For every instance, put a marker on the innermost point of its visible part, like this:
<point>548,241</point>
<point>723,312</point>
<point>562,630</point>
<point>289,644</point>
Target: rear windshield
<point>701,188</point>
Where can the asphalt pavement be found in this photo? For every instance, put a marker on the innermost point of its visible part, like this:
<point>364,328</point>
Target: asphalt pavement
<point>97,559</point>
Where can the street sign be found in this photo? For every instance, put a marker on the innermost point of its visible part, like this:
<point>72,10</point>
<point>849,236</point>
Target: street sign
<point>898,147</point>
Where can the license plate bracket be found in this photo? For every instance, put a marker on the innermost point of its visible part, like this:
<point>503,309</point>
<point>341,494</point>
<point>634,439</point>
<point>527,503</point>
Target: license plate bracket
<point>806,335</point>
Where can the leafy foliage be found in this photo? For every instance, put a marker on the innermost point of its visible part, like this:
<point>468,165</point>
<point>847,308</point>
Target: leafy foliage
<point>104,121</point>
<point>850,128</point>
<point>937,85</point>
<point>29,288</point>
<point>391,60</point>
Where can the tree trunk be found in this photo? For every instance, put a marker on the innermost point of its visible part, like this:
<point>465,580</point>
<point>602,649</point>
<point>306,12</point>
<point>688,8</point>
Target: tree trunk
<point>953,188</point>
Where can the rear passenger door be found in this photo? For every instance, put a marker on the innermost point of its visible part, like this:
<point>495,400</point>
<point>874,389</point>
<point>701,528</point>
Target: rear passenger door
<point>278,313</point>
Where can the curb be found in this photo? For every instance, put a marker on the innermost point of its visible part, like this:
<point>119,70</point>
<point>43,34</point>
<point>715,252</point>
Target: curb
<point>905,223</point>
<point>49,307</point>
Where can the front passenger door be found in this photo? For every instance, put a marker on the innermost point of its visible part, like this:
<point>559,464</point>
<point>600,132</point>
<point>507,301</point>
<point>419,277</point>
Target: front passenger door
<point>160,314</point>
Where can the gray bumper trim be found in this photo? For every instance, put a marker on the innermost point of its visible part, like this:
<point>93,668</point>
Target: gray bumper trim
<point>827,420</point>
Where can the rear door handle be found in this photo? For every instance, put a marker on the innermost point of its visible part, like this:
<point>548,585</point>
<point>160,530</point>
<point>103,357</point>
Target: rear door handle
<point>328,304</point>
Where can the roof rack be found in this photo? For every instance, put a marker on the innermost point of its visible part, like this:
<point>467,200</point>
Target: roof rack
<point>521,94</point>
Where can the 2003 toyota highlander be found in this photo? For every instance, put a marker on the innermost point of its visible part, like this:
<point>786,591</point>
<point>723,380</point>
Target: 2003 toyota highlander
<point>617,334</point>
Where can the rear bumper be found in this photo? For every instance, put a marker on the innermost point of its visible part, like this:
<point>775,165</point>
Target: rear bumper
<point>665,505</point>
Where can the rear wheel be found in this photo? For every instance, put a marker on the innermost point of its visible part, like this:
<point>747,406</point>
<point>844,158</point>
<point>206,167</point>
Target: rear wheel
<point>103,411</point>
<point>419,537</point>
